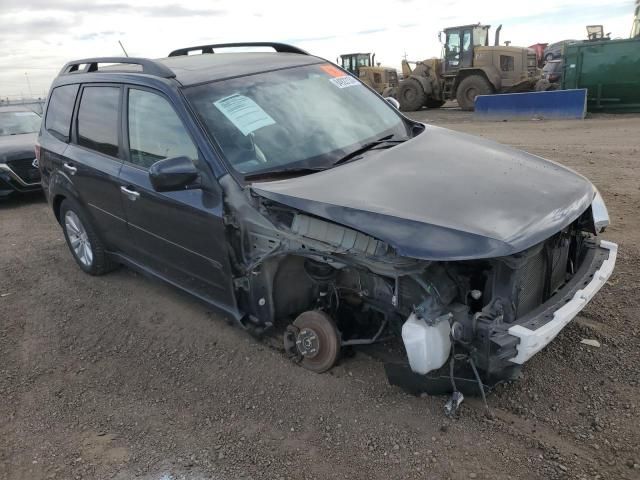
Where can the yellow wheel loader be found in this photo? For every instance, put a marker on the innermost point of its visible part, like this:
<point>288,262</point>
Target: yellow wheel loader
<point>469,67</point>
<point>383,80</point>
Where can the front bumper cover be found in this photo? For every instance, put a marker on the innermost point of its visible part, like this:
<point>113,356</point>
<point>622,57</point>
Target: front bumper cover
<point>501,346</point>
<point>534,340</point>
<point>10,181</point>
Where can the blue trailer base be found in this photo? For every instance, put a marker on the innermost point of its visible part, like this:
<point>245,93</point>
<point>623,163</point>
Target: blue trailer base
<point>555,104</point>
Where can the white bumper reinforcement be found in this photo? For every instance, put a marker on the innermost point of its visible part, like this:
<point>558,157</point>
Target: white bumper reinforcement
<point>532,341</point>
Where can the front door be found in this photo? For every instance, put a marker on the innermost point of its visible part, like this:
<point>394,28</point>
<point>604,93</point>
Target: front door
<point>179,235</point>
<point>458,50</point>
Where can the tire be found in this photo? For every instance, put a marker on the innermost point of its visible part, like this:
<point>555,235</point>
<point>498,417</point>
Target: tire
<point>85,245</point>
<point>432,103</point>
<point>469,89</point>
<point>320,329</point>
<point>411,95</point>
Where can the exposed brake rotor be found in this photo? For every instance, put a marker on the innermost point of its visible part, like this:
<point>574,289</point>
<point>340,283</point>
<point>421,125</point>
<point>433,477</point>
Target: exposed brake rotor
<point>313,341</point>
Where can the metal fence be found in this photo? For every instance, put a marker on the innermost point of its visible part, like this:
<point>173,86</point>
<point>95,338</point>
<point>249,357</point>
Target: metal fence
<point>35,104</point>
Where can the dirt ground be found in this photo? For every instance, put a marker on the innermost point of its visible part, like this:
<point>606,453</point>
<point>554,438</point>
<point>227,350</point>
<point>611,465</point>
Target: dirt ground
<point>122,377</point>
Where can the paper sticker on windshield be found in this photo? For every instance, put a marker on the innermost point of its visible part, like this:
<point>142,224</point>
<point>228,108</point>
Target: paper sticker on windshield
<point>345,81</point>
<point>244,113</point>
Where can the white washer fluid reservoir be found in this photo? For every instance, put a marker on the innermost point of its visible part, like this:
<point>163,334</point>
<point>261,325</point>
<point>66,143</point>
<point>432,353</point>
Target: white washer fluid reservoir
<point>427,346</point>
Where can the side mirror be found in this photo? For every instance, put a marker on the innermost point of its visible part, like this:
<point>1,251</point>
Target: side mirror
<point>395,103</point>
<point>175,173</point>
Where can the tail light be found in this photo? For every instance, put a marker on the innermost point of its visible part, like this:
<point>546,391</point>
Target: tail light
<point>37,149</point>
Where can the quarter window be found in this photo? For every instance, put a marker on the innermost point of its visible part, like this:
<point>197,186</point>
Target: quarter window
<point>60,110</point>
<point>98,119</point>
<point>155,130</point>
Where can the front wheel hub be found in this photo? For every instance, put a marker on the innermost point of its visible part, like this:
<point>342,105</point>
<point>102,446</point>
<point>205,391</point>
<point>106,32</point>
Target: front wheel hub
<point>313,340</point>
<point>308,343</point>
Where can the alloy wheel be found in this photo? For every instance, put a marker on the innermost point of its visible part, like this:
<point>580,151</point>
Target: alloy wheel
<point>78,238</point>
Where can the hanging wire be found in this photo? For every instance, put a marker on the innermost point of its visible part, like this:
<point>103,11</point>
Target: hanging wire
<point>480,385</point>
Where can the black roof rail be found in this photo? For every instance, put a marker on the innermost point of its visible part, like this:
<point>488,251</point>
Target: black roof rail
<point>150,67</point>
<point>278,47</point>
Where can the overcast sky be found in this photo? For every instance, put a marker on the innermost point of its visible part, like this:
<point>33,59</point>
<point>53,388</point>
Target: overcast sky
<point>38,36</point>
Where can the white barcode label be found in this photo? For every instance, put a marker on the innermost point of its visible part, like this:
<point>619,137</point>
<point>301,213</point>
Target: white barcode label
<point>344,82</point>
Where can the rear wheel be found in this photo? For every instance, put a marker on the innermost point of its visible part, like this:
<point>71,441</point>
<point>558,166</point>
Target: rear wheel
<point>469,89</point>
<point>411,95</point>
<point>86,247</point>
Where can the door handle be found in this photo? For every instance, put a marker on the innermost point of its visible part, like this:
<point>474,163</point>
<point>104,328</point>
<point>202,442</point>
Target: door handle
<point>70,168</point>
<point>131,194</point>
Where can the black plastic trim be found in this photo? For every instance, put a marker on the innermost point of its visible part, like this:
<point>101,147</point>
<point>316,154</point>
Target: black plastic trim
<point>149,67</point>
<point>278,47</point>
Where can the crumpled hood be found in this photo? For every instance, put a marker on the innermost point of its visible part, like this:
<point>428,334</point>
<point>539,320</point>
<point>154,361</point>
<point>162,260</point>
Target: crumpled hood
<point>13,147</point>
<point>443,195</point>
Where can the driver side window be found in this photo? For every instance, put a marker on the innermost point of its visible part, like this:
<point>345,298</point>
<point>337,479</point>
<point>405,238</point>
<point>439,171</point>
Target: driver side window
<point>155,130</point>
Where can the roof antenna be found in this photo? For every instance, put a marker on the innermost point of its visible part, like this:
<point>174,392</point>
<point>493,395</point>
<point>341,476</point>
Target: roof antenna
<point>122,47</point>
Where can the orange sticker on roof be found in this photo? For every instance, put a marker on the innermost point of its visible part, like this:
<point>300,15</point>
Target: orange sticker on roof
<point>332,70</point>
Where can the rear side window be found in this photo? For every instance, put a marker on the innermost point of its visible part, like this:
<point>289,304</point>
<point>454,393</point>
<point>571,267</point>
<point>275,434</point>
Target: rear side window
<point>155,130</point>
<point>60,110</point>
<point>98,119</point>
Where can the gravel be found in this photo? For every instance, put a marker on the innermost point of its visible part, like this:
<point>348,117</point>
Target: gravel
<point>122,377</point>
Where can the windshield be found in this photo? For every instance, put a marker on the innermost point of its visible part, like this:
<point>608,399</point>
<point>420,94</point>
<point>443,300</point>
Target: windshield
<point>303,117</point>
<point>17,123</point>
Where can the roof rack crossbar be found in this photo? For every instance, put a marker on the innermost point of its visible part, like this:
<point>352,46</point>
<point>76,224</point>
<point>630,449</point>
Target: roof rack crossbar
<point>278,47</point>
<point>149,66</point>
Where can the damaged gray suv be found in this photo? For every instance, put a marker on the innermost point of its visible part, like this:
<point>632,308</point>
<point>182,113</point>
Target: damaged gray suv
<point>278,188</point>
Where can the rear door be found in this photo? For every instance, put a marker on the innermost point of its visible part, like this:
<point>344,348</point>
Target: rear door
<point>55,132</point>
<point>93,160</point>
<point>179,235</point>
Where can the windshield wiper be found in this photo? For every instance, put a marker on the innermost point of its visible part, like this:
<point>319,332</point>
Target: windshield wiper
<point>281,172</point>
<point>386,141</point>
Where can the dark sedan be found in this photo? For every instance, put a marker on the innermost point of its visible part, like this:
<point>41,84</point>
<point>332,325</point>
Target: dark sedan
<point>555,50</point>
<point>18,166</point>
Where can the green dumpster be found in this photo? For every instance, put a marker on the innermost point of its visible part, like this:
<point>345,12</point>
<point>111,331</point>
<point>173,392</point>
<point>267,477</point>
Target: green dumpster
<point>609,70</point>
